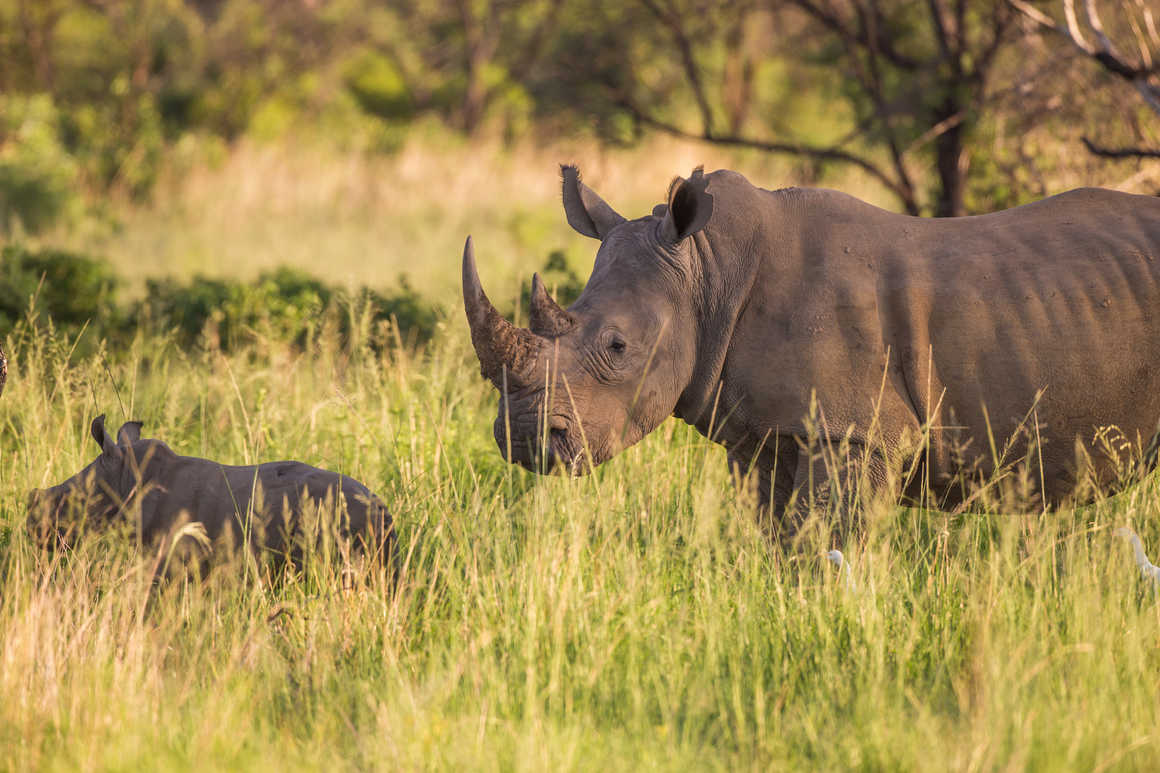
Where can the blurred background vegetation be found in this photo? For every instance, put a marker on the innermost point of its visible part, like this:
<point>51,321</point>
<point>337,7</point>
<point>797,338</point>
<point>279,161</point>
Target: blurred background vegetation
<point>190,150</point>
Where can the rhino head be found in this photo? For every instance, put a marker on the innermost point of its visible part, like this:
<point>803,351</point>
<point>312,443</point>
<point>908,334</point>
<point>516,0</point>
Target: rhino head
<point>94,496</point>
<point>580,384</point>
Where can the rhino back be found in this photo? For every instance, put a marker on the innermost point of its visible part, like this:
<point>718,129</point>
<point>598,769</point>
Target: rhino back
<point>244,501</point>
<point>1060,295</point>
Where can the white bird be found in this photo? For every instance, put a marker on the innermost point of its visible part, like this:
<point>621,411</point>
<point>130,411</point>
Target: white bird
<point>1147,568</point>
<point>837,558</point>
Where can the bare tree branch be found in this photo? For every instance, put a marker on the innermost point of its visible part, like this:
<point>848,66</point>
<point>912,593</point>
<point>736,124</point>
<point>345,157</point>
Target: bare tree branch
<point>1098,28</point>
<point>938,20</point>
<point>1149,23</point>
<point>869,20</point>
<point>1141,75</point>
<point>671,19</point>
<point>940,128</point>
<point>831,21</point>
<point>1099,150</point>
<point>1106,55</point>
<point>1150,93</point>
<point>788,148</point>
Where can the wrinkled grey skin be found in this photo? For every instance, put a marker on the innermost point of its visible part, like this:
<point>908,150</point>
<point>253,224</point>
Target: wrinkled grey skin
<point>260,505</point>
<point>731,305</point>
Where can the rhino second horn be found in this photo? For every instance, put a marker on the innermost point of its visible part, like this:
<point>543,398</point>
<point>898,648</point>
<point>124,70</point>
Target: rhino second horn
<point>498,343</point>
<point>546,317</point>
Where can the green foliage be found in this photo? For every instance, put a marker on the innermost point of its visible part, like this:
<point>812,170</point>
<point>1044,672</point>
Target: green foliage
<point>410,316</point>
<point>283,305</point>
<point>73,291</point>
<point>37,174</point>
<point>379,87</point>
<point>559,278</point>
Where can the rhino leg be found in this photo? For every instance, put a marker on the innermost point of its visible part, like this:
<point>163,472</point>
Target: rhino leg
<point>771,476</point>
<point>828,488</point>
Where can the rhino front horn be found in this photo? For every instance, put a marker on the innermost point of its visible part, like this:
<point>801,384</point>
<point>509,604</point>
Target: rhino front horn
<point>546,317</point>
<point>499,344</point>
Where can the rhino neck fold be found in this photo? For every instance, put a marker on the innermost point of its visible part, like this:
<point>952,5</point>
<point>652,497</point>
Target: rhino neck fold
<point>726,282</point>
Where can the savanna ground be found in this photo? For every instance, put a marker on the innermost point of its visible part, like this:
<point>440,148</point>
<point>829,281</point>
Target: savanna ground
<point>636,618</point>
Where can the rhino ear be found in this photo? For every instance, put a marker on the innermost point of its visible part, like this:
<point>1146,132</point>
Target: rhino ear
<point>586,211</point>
<point>104,440</point>
<point>689,208</point>
<point>130,433</point>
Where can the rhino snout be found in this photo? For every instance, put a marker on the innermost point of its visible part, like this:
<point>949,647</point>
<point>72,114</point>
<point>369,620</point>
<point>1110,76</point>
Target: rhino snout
<point>43,514</point>
<point>553,448</point>
<point>40,503</point>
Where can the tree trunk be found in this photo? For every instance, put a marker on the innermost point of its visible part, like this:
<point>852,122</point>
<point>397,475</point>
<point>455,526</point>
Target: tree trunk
<point>951,161</point>
<point>737,88</point>
<point>475,92</point>
<point>479,48</point>
<point>39,29</point>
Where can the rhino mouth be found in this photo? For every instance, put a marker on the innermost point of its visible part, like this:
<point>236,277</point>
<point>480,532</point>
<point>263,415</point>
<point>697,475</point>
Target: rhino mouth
<point>558,451</point>
<point>56,520</point>
<point>46,522</point>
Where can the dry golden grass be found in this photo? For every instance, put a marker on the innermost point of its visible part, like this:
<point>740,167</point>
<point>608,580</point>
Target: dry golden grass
<point>637,618</point>
<point>366,219</point>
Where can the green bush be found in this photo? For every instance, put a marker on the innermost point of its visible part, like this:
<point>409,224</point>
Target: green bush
<point>284,305</point>
<point>379,87</point>
<point>412,317</point>
<point>37,174</point>
<point>562,282</point>
<point>72,290</point>
<point>76,292</point>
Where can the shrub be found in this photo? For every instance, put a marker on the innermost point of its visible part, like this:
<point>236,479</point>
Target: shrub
<point>379,87</point>
<point>70,289</point>
<point>412,316</point>
<point>560,280</point>
<point>284,305</point>
<point>37,175</point>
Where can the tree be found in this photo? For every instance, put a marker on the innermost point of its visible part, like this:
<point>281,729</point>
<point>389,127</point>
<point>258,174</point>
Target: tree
<point>917,74</point>
<point>1136,22</point>
<point>474,48</point>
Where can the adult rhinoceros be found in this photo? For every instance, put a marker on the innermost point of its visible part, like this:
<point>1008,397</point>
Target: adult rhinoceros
<point>735,308</point>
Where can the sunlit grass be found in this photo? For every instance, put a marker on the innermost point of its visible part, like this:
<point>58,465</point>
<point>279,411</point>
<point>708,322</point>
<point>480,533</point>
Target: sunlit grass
<point>637,617</point>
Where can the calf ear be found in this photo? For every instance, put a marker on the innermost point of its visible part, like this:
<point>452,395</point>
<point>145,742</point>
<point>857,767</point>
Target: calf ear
<point>690,206</point>
<point>130,433</point>
<point>586,211</point>
<point>104,440</point>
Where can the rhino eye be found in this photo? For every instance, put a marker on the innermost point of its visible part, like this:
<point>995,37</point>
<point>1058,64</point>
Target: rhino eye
<point>616,345</point>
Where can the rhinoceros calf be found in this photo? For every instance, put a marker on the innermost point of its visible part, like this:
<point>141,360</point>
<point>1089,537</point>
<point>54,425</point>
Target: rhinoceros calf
<point>762,317</point>
<point>282,507</point>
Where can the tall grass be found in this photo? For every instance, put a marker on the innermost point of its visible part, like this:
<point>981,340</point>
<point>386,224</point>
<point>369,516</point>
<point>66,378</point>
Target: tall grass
<point>634,618</point>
